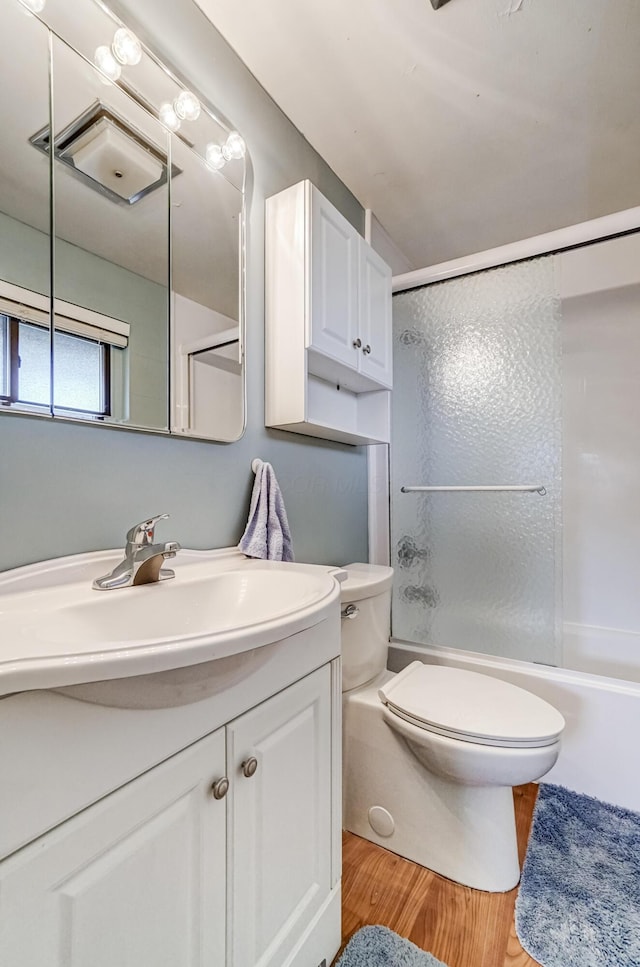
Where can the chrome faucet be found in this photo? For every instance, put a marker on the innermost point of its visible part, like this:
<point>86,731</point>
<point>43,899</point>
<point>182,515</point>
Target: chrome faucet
<point>142,562</point>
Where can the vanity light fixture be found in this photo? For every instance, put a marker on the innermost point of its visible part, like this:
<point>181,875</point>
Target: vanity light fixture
<point>35,6</point>
<point>215,157</point>
<point>126,47</point>
<point>234,148</point>
<point>126,50</point>
<point>187,106</point>
<point>106,63</point>
<point>168,117</point>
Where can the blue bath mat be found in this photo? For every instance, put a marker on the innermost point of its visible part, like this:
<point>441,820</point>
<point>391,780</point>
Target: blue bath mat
<point>381,947</point>
<point>579,899</point>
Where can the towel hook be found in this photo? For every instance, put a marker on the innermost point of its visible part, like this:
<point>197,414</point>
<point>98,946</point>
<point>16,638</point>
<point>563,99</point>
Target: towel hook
<point>256,463</point>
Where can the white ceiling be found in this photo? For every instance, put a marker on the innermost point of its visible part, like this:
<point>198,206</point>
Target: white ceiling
<point>465,128</point>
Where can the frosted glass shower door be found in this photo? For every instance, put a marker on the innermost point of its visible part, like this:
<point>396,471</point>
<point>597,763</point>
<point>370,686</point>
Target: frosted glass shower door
<point>476,402</point>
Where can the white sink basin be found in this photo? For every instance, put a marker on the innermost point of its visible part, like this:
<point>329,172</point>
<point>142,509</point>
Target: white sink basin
<point>55,630</point>
<point>174,611</point>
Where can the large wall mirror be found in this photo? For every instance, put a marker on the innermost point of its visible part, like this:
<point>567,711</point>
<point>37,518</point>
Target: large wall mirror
<point>122,219</point>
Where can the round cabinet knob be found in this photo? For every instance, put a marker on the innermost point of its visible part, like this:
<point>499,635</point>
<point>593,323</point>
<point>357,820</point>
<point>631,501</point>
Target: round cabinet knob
<point>249,767</point>
<point>220,788</point>
<point>366,349</point>
<point>357,343</point>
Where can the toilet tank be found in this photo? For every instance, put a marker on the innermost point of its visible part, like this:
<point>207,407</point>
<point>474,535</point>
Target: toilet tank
<point>365,635</point>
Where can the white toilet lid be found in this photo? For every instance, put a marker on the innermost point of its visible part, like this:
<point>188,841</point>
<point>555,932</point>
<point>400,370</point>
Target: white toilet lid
<point>472,707</point>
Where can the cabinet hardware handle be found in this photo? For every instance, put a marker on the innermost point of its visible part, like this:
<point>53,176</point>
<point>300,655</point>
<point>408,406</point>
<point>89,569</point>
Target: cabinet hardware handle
<point>366,349</point>
<point>351,611</point>
<point>249,767</point>
<point>220,788</point>
<point>357,343</point>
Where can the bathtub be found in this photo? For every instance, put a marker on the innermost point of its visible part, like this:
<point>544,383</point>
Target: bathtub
<point>599,754</point>
<point>606,652</point>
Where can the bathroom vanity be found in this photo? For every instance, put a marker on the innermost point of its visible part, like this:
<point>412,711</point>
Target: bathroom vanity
<point>187,813</point>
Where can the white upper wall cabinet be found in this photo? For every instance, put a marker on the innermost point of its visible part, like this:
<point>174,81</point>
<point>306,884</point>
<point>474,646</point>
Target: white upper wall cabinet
<point>328,323</point>
<point>332,322</point>
<point>374,316</point>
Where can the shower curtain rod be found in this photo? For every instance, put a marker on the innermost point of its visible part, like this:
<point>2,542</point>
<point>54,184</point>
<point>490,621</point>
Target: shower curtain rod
<point>521,488</point>
<point>574,236</point>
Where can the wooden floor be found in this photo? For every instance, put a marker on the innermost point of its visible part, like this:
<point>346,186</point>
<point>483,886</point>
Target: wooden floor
<point>460,926</point>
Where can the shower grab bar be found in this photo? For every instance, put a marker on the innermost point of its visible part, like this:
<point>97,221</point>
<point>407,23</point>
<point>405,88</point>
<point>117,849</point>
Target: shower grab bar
<point>522,488</point>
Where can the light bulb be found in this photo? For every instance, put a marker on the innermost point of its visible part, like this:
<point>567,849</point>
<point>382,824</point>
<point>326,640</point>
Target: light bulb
<point>106,63</point>
<point>168,117</point>
<point>126,47</point>
<point>187,106</point>
<point>234,148</point>
<point>35,6</point>
<point>215,157</point>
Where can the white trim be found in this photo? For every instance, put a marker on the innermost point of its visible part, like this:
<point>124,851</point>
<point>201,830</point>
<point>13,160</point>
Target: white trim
<point>378,484</point>
<point>368,224</point>
<point>212,341</point>
<point>380,241</point>
<point>28,313</point>
<point>77,328</point>
<point>591,231</point>
<point>336,772</point>
<point>377,458</point>
<point>183,405</point>
<point>35,307</point>
<point>24,298</point>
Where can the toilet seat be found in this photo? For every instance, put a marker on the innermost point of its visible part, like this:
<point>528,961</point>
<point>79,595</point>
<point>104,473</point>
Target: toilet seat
<point>471,707</point>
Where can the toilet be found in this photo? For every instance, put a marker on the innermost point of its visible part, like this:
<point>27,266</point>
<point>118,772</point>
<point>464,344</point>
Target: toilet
<point>430,754</point>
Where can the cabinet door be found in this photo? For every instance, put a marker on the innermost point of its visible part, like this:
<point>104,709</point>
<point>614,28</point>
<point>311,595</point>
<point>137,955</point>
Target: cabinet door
<point>375,316</point>
<point>280,837</point>
<point>137,879</point>
<point>333,280</point>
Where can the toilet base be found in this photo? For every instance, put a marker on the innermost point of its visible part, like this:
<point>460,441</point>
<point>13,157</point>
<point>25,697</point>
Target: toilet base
<point>466,833</point>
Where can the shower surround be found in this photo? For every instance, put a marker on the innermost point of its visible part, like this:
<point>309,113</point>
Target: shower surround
<point>527,374</point>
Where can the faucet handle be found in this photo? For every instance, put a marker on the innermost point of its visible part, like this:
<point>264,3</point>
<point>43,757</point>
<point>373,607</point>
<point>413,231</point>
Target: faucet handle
<point>142,533</point>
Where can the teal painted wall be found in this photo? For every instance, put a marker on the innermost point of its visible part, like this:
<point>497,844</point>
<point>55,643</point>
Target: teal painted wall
<point>68,488</point>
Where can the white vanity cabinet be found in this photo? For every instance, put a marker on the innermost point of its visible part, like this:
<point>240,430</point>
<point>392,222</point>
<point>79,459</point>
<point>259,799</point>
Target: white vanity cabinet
<point>136,880</point>
<point>280,822</point>
<point>161,873</point>
<point>328,322</point>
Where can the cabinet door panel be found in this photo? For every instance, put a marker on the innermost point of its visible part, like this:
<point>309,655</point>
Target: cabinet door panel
<point>280,821</point>
<point>375,316</point>
<point>333,283</point>
<point>138,879</point>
